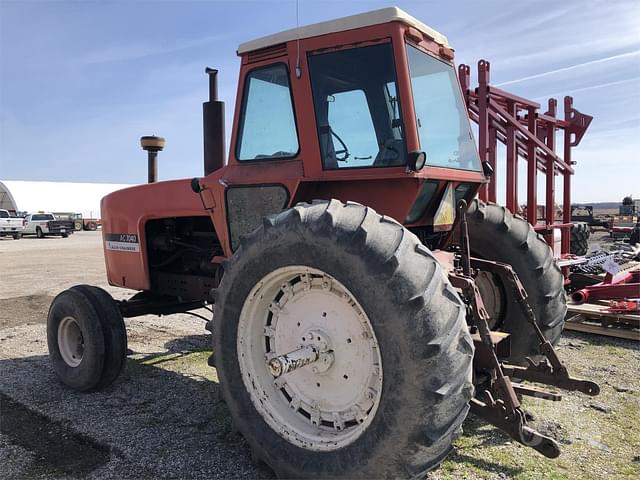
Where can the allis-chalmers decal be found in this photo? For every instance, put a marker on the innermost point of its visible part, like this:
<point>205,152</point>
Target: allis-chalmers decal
<point>122,242</point>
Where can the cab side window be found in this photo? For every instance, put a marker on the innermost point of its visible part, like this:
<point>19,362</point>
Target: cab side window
<point>267,123</point>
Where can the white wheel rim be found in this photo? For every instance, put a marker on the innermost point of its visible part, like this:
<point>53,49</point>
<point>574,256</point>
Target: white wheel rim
<point>70,341</point>
<point>327,404</point>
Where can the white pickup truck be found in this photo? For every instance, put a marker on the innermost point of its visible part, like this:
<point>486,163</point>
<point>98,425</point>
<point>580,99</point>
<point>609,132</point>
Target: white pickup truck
<point>43,224</point>
<point>10,226</point>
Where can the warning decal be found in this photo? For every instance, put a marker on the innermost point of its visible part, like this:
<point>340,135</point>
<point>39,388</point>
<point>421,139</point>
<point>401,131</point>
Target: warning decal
<point>121,242</point>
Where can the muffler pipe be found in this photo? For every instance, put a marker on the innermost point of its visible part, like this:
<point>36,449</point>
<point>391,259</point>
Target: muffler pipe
<point>213,126</point>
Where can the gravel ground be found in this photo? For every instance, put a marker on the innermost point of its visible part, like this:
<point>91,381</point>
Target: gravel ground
<point>163,418</point>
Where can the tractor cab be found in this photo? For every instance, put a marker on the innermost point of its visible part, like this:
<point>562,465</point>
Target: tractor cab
<point>367,108</point>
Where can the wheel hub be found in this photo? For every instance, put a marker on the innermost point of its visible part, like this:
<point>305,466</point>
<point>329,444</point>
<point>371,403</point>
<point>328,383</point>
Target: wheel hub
<point>309,358</point>
<point>70,341</point>
<point>492,293</point>
<point>315,349</point>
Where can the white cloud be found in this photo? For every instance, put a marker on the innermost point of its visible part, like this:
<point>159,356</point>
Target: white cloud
<point>121,51</point>
<point>571,67</point>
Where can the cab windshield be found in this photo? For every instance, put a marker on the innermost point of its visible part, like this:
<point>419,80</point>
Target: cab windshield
<point>357,108</point>
<point>441,116</point>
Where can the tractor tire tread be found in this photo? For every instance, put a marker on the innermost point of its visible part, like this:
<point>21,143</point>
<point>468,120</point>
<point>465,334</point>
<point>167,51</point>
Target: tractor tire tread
<point>115,334</point>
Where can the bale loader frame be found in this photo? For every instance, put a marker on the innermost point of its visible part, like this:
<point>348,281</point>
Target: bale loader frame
<point>363,299</point>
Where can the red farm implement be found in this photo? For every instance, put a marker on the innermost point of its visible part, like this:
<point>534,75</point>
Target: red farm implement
<point>527,133</point>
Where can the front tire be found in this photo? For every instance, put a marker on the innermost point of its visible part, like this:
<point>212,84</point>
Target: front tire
<point>498,235</point>
<point>39,233</point>
<point>17,236</point>
<point>368,287</point>
<point>86,337</point>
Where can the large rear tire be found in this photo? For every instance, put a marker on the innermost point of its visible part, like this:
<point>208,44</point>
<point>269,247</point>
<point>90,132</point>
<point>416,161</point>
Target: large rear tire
<point>580,234</point>
<point>336,268</point>
<point>86,337</point>
<point>496,234</point>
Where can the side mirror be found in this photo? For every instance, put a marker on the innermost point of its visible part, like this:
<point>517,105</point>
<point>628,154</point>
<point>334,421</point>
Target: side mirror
<point>416,160</point>
<point>487,169</point>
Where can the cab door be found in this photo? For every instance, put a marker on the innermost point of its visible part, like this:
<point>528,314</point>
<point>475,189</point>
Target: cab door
<point>264,167</point>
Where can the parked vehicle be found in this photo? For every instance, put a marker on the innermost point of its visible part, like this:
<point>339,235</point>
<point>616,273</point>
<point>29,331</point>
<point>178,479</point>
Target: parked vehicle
<point>10,226</point>
<point>76,218</point>
<point>79,223</point>
<point>628,206</point>
<point>90,224</point>
<point>584,213</point>
<point>44,224</point>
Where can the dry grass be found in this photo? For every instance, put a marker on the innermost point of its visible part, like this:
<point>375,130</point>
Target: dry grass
<point>594,444</point>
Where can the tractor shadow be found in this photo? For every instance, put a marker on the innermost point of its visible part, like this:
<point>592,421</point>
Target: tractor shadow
<point>189,343</point>
<point>481,435</point>
<point>151,423</point>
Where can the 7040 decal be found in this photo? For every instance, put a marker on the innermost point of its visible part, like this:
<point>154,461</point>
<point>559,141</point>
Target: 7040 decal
<point>121,242</point>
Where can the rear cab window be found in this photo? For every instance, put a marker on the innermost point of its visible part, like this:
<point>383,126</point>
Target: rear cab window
<point>41,217</point>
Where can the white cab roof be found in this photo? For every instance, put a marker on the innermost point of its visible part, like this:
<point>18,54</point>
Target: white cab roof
<point>375,17</point>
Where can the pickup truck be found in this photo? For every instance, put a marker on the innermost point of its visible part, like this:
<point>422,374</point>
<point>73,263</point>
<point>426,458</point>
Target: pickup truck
<point>43,224</point>
<point>10,225</point>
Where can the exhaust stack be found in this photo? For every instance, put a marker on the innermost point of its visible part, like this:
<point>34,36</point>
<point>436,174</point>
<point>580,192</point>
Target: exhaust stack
<point>152,145</point>
<point>213,126</point>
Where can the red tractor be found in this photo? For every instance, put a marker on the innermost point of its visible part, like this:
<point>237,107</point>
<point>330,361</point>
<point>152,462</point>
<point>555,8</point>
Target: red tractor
<point>364,300</point>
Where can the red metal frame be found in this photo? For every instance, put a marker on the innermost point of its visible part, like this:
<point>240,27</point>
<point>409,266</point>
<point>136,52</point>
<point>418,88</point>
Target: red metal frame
<point>621,286</point>
<point>517,123</point>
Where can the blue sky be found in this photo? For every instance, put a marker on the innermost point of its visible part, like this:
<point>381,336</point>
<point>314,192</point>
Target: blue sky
<point>80,82</point>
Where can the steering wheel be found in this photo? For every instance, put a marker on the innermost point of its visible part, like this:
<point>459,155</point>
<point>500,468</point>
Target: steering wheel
<point>344,151</point>
<point>388,152</point>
